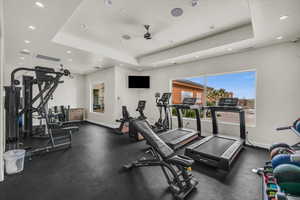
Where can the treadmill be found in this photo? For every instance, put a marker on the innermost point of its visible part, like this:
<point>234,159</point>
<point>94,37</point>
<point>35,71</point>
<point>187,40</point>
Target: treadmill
<point>180,136</point>
<point>218,150</point>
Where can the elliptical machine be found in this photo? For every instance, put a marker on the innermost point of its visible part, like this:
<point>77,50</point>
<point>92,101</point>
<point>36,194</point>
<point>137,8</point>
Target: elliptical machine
<point>163,102</point>
<point>126,127</point>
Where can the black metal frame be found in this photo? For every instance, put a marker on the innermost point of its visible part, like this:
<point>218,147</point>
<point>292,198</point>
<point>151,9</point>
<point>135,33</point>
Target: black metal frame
<point>27,95</point>
<point>176,168</point>
<point>234,109</point>
<point>180,181</point>
<point>178,142</point>
<point>163,106</point>
<point>229,155</point>
<point>47,80</point>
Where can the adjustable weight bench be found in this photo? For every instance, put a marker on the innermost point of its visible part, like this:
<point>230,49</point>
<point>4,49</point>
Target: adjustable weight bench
<point>176,168</point>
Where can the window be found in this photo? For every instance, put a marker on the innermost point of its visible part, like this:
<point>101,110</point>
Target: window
<point>199,97</point>
<point>98,98</point>
<point>185,94</point>
<point>210,88</point>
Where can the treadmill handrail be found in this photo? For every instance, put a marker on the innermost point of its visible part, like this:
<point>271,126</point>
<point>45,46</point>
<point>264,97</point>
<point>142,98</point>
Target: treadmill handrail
<point>186,106</point>
<point>233,109</point>
<point>224,108</point>
<point>196,108</point>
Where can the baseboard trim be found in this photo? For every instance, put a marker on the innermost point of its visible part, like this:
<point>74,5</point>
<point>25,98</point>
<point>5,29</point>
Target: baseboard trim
<point>100,124</point>
<point>248,143</point>
<point>257,145</point>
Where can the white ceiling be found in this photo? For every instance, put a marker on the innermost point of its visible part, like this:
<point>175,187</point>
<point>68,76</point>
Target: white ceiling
<point>106,25</point>
<point>59,28</point>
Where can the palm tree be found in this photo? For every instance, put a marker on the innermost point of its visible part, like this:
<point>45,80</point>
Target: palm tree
<point>213,95</point>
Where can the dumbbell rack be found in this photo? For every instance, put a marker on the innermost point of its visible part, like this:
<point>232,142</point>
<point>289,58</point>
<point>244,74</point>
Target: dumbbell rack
<point>270,189</point>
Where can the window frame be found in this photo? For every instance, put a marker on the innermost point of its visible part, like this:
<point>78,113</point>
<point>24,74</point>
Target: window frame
<point>205,75</point>
<point>92,97</point>
<point>184,96</point>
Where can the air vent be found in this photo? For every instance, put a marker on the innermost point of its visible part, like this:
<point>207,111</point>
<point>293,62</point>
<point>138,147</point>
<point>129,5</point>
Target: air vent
<point>25,52</point>
<point>48,58</point>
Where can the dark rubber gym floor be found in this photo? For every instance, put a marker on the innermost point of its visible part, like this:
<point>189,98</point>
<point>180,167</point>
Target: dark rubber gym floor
<point>91,170</point>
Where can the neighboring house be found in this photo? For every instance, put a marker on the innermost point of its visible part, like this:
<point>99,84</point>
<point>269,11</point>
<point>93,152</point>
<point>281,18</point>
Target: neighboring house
<point>185,88</point>
<point>247,103</point>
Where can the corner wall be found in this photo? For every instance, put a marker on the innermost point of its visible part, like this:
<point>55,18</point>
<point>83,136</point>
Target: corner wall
<point>125,95</point>
<point>116,94</point>
<point>277,96</point>
<point>106,76</point>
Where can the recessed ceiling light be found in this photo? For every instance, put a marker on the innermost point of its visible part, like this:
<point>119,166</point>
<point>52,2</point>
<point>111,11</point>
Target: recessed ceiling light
<point>22,58</point>
<point>39,4</point>
<point>70,60</point>
<point>229,49</point>
<point>69,52</point>
<point>283,17</point>
<point>108,2</point>
<point>26,50</point>
<point>27,41</point>
<point>279,38</point>
<point>176,12</point>
<point>197,56</point>
<point>32,27</point>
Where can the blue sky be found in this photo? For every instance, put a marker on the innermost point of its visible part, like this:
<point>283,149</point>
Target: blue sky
<point>241,84</point>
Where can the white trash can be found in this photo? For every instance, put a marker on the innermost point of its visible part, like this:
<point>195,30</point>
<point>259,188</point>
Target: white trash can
<point>14,161</point>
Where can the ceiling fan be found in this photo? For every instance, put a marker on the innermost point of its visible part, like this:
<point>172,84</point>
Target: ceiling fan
<point>147,35</point>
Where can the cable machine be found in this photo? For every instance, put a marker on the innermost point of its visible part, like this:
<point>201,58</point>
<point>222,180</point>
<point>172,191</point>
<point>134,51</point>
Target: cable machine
<point>16,108</point>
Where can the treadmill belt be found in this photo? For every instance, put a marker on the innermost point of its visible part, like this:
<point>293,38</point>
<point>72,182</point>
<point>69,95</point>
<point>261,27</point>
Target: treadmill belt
<point>173,135</point>
<point>215,146</point>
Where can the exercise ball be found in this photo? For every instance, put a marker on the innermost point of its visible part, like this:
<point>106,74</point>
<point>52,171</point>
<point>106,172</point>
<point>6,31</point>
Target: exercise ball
<point>280,150</point>
<point>276,145</point>
<point>284,159</point>
<point>288,178</point>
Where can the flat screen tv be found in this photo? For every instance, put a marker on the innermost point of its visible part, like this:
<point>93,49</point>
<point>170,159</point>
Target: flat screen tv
<point>139,81</point>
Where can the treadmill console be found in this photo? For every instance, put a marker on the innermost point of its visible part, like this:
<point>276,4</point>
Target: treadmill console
<point>141,105</point>
<point>189,101</point>
<point>228,102</point>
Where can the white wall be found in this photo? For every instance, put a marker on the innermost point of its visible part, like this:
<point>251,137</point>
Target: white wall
<point>70,92</point>
<point>1,92</point>
<point>116,94</point>
<point>107,77</point>
<point>126,96</point>
<point>277,96</point>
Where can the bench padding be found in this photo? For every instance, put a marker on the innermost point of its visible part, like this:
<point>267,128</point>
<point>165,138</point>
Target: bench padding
<point>160,146</point>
